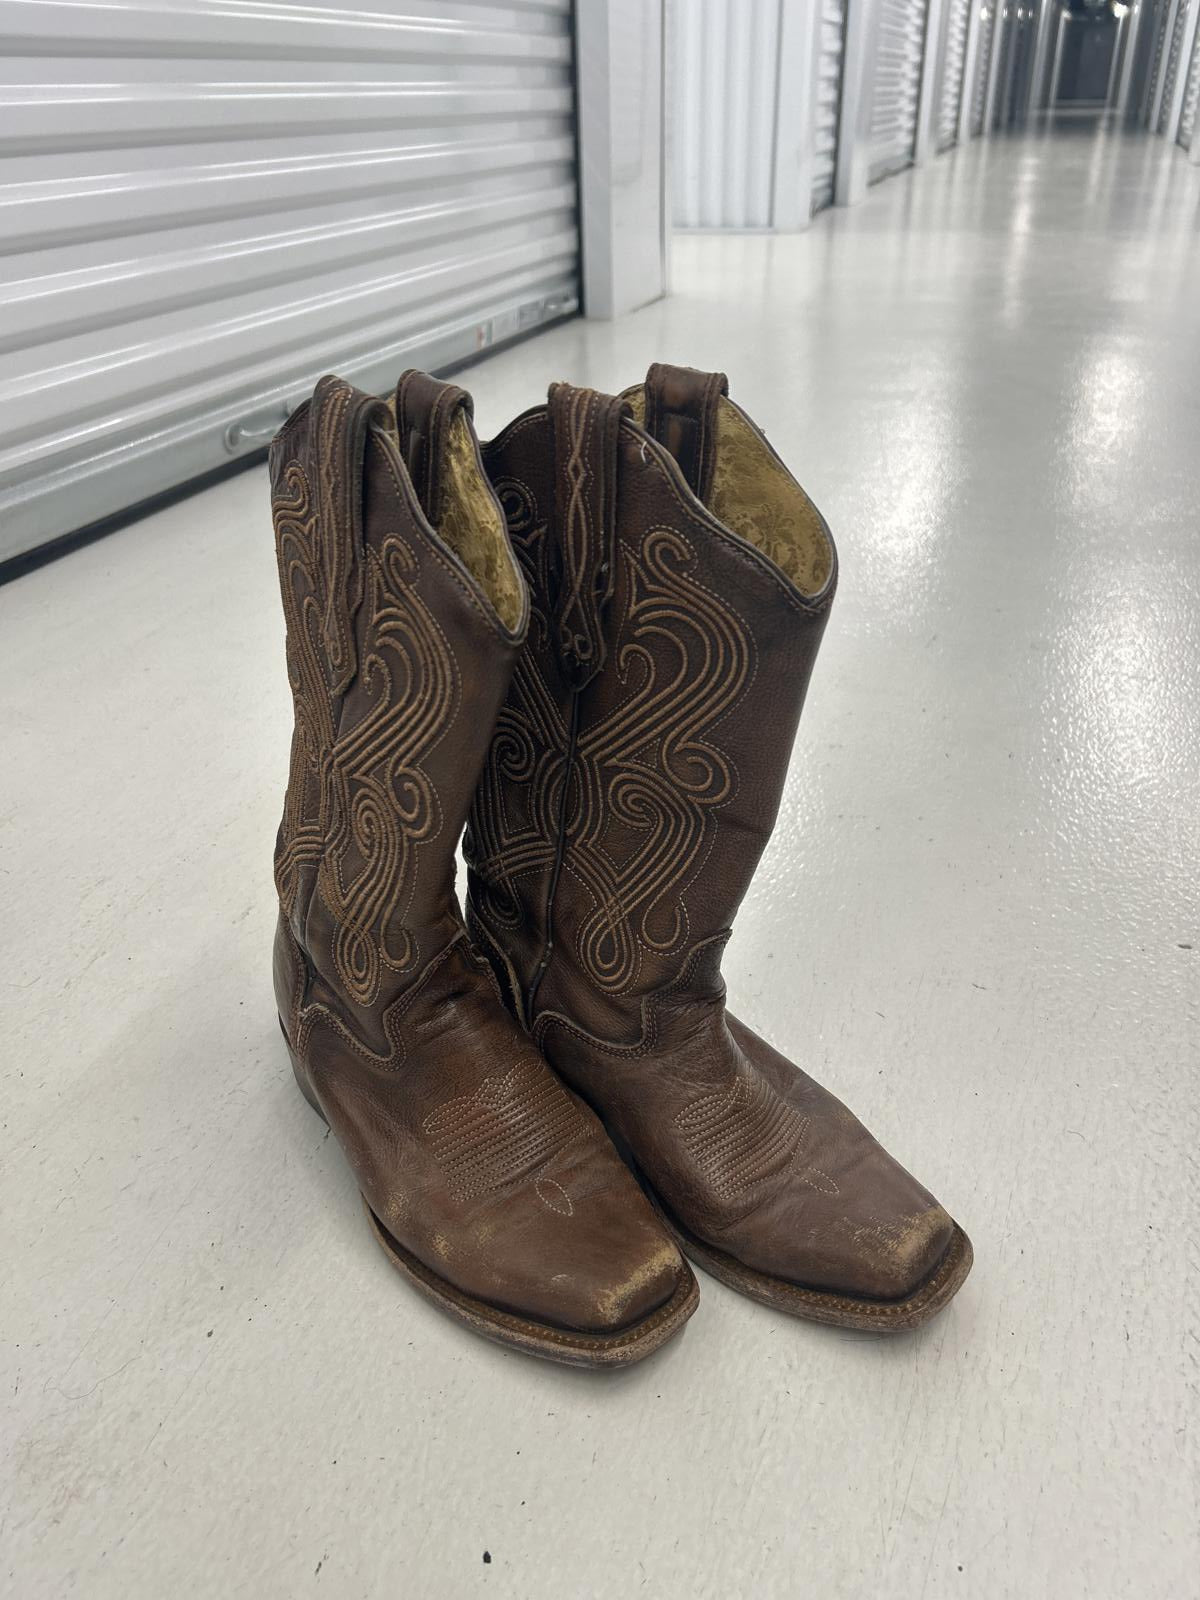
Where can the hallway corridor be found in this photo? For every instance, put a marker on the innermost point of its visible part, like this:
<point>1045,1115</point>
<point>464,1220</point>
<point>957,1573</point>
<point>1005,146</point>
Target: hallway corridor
<point>978,922</point>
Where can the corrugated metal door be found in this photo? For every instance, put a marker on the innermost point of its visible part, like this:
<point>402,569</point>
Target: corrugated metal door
<point>1171,65</point>
<point>831,43</point>
<point>1158,55</point>
<point>1012,75</point>
<point>896,85</point>
<point>209,204</point>
<point>1191,97</point>
<point>950,86</point>
<point>983,64</point>
<point>723,79</point>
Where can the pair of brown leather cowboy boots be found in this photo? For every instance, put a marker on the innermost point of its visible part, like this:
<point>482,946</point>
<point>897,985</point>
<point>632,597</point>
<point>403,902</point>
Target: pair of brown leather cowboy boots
<point>588,644</point>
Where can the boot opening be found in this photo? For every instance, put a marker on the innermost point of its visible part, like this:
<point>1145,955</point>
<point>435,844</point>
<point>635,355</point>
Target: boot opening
<point>472,523</point>
<point>470,520</point>
<point>754,494</point>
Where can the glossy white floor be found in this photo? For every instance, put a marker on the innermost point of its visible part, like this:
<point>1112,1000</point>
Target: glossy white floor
<point>978,922</point>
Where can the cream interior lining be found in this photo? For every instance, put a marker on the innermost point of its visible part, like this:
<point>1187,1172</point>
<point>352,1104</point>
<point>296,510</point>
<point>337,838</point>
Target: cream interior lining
<point>472,523</point>
<point>754,494</point>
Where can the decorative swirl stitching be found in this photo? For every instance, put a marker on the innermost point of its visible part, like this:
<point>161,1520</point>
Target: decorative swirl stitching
<point>357,803</point>
<point>528,749</point>
<point>651,765</point>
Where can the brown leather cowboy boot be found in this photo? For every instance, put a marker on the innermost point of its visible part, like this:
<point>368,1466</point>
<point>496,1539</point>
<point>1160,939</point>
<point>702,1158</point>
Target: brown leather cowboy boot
<point>681,581</point>
<point>489,1186</point>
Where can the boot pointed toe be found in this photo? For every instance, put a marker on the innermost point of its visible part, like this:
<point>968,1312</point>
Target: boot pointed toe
<point>891,1257</point>
<point>628,1281</point>
<point>605,1263</point>
<point>914,1247</point>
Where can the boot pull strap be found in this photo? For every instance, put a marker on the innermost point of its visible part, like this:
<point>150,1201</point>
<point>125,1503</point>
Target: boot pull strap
<point>337,440</point>
<point>586,428</point>
<point>681,413</point>
<point>425,413</point>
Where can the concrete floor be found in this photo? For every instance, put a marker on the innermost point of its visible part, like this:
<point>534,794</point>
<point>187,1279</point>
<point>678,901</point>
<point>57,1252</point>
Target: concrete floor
<point>978,922</point>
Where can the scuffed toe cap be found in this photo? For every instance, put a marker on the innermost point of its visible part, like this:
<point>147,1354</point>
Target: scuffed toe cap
<point>618,1265</point>
<point>843,1217</point>
<point>576,1246</point>
<point>849,1251</point>
<point>618,1294</point>
<point>896,1256</point>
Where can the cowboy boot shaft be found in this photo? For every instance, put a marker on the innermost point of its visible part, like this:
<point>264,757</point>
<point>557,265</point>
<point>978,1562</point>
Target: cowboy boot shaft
<point>662,755</point>
<point>398,665</point>
<point>492,1190</point>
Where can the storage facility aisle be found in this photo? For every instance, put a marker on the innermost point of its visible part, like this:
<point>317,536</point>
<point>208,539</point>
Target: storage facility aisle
<point>977,922</point>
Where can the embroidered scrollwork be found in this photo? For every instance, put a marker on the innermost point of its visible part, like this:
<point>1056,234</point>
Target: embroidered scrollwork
<point>358,801</point>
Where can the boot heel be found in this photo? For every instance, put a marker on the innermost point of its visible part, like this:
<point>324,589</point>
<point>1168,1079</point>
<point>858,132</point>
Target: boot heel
<point>301,1081</point>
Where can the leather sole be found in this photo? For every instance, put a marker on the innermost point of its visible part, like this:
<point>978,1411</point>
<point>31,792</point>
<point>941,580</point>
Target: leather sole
<point>567,1346</point>
<point>930,1296</point>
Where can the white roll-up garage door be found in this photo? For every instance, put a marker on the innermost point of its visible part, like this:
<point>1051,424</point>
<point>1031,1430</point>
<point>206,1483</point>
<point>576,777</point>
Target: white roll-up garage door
<point>896,85</point>
<point>983,64</point>
<point>831,43</point>
<point>725,70</point>
<point>950,86</point>
<point>1191,98</point>
<point>207,205</point>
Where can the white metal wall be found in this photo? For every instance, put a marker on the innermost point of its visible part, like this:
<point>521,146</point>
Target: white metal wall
<point>724,92</point>
<point>896,84</point>
<point>624,154</point>
<point>952,66</point>
<point>1158,55</point>
<point>755,91</point>
<point>983,63</point>
<point>209,204</point>
<point>831,38</point>
<point>1191,98</point>
<point>779,101</point>
<point>1170,66</point>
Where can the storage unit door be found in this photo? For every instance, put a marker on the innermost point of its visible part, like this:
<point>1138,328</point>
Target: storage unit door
<point>724,72</point>
<point>1191,97</point>
<point>1159,51</point>
<point>983,64</point>
<point>896,85</point>
<point>1171,65</point>
<point>950,85</point>
<point>209,205</point>
<point>830,45</point>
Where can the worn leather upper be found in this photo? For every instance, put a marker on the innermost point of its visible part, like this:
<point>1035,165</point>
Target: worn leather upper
<point>628,796</point>
<point>468,1150</point>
